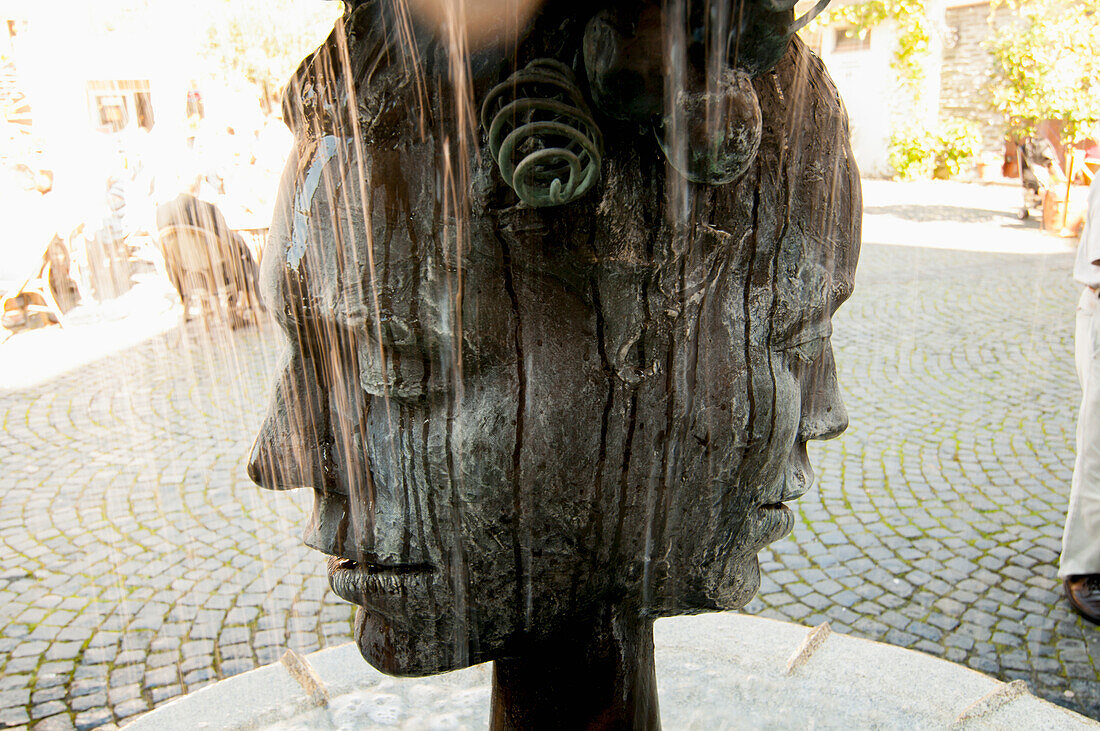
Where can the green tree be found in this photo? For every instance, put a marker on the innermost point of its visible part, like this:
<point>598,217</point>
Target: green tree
<point>259,42</point>
<point>242,38</point>
<point>1048,64</point>
<point>911,18</point>
<point>916,149</point>
<point>940,152</point>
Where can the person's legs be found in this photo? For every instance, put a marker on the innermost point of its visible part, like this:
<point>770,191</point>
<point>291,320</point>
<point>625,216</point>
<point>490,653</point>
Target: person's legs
<point>1079,564</point>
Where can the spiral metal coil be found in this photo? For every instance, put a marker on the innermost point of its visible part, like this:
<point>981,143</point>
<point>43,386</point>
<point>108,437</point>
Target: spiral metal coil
<point>542,135</point>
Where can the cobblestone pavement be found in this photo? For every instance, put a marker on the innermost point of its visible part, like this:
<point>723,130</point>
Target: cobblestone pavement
<point>137,562</point>
<point>937,518</point>
<point>935,525</point>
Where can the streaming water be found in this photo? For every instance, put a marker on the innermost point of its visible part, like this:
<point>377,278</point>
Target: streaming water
<point>546,326</point>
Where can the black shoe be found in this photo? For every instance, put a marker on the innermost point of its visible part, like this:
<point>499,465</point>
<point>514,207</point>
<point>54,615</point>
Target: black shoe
<point>1083,592</point>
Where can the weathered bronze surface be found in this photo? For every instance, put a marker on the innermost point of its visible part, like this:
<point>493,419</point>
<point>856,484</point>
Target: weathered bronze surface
<point>533,428</point>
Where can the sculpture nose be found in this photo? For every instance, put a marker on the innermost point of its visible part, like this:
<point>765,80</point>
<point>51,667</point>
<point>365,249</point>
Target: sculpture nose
<point>823,412</point>
<point>276,464</point>
<point>265,471</point>
<point>289,451</point>
<point>255,468</point>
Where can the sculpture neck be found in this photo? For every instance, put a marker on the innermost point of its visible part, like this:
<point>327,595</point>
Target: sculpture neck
<point>598,675</point>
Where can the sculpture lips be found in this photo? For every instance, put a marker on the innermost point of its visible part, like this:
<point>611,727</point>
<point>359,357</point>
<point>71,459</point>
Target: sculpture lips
<point>776,521</point>
<point>372,584</point>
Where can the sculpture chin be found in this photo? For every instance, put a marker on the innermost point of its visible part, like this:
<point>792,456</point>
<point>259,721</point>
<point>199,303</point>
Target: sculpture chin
<point>417,644</point>
<point>401,652</point>
<point>719,586</point>
<point>734,592</point>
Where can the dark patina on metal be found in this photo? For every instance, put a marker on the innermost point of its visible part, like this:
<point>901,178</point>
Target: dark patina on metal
<point>558,318</point>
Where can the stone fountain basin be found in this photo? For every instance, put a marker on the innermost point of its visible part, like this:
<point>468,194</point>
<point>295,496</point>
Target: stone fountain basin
<point>714,671</point>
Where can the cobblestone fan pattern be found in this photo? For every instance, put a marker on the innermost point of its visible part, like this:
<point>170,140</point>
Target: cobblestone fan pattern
<point>137,561</point>
<point>937,517</point>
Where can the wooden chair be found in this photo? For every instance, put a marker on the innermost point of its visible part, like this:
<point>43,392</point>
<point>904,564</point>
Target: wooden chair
<point>44,297</point>
<point>203,269</point>
<point>31,304</point>
<point>1064,207</point>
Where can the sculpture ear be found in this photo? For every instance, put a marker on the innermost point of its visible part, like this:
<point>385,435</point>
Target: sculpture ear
<point>542,105</point>
<point>801,22</point>
<point>783,6</point>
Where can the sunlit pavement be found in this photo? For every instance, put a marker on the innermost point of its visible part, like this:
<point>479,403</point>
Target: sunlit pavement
<point>937,518</point>
<point>137,562</point>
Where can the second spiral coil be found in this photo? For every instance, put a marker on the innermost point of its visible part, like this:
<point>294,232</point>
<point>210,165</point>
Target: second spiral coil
<point>542,134</point>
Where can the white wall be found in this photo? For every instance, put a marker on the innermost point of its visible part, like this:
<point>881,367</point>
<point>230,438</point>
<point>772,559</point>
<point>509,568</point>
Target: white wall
<point>866,82</point>
<point>870,88</point>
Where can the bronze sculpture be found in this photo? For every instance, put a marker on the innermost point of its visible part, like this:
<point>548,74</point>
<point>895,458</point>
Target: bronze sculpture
<point>545,387</point>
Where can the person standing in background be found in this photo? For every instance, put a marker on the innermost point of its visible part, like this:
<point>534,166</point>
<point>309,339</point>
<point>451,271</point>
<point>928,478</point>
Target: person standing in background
<point>1079,565</point>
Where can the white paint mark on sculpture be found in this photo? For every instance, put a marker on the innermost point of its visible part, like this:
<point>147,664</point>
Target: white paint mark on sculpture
<point>303,200</point>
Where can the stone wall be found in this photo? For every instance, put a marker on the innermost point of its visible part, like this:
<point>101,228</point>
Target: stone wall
<point>966,71</point>
<point>13,103</point>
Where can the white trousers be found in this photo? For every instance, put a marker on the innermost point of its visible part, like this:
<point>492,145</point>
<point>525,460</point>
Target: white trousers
<point>1081,539</point>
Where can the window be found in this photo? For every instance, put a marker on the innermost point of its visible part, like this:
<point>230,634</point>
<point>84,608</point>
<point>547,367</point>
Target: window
<point>852,39</point>
<point>112,111</point>
<point>115,103</point>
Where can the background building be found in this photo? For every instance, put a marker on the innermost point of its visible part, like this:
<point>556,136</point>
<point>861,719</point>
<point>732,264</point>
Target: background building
<point>957,72</point>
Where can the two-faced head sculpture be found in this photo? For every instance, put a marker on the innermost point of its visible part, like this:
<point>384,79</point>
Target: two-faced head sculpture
<point>516,414</point>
